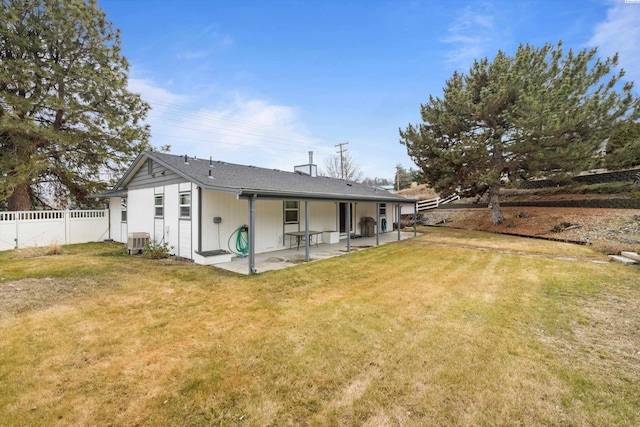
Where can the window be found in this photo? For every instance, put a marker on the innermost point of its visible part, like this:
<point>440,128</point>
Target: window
<point>185,205</point>
<point>291,212</point>
<point>123,209</point>
<point>383,209</point>
<point>159,205</point>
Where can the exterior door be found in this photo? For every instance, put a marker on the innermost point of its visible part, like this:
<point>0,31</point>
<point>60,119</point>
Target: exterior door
<point>343,217</point>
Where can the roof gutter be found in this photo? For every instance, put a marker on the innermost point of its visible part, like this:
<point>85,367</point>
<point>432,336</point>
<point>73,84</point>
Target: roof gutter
<point>275,195</point>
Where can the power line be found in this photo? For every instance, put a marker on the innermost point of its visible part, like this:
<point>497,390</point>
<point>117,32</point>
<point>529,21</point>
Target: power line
<point>215,120</point>
<point>208,124</point>
<point>235,144</point>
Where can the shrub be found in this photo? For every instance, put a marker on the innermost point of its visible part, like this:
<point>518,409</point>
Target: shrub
<point>155,250</point>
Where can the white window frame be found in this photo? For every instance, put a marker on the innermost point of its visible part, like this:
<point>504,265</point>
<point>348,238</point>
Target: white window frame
<point>184,207</point>
<point>123,210</point>
<point>286,208</point>
<point>158,207</point>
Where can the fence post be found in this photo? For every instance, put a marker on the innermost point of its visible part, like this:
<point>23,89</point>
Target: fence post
<point>67,214</point>
<point>17,218</point>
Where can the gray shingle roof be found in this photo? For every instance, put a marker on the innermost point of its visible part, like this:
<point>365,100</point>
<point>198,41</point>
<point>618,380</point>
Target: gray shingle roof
<point>249,181</point>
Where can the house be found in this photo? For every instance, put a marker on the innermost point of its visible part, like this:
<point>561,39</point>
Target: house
<point>204,208</point>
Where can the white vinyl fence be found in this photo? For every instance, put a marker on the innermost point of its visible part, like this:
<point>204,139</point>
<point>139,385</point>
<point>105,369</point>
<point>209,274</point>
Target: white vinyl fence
<point>42,228</point>
<point>424,205</point>
<point>429,204</point>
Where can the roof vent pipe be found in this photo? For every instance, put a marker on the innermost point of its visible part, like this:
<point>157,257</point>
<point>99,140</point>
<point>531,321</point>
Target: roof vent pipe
<point>210,162</point>
<point>186,160</point>
<point>310,157</point>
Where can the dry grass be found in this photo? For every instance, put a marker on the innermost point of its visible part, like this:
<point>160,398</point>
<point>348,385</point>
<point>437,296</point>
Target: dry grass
<point>451,328</point>
<point>54,248</point>
<point>419,192</point>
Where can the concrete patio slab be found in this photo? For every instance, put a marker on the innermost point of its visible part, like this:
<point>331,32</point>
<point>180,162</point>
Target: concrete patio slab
<point>278,260</point>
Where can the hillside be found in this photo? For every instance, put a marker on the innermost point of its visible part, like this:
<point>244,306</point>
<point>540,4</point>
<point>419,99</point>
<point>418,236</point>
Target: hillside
<point>608,229</point>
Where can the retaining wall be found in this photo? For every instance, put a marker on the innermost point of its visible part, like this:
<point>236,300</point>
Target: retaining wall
<point>629,175</point>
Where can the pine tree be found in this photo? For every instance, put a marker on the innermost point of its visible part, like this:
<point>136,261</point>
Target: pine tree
<point>623,147</point>
<point>542,112</point>
<point>66,116</point>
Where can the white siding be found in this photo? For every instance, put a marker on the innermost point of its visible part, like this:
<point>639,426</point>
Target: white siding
<point>185,235</point>
<point>124,232</point>
<point>171,223</point>
<point>233,212</point>
<point>158,234</point>
<point>169,229</point>
<point>117,228</point>
<point>269,225</point>
<point>140,212</point>
<point>195,209</point>
<point>184,245</point>
<point>323,216</point>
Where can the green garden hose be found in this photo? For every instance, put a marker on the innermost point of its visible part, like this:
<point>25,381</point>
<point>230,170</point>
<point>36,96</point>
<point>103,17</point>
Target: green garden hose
<point>242,241</point>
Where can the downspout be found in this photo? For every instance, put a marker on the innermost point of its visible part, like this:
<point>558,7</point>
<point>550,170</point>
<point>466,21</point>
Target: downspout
<point>199,219</point>
<point>252,235</point>
<point>377,223</point>
<point>348,223</point>
<point>399,214</point>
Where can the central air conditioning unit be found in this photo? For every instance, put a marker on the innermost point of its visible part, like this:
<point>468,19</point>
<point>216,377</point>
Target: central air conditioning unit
<point>137,242</point>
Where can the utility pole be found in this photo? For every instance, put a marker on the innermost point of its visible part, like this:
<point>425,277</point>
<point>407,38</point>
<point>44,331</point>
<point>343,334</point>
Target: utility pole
<point>341,151</point>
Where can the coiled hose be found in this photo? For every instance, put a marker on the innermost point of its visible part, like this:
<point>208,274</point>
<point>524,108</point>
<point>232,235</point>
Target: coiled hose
<point>242,241</point>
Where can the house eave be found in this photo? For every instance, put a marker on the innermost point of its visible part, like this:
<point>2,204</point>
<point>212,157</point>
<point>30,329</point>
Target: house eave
<point>246,193</point>
<point>107,194</point>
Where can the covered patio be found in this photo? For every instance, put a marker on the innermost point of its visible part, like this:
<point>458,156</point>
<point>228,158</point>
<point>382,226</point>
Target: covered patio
<point>278,260</point>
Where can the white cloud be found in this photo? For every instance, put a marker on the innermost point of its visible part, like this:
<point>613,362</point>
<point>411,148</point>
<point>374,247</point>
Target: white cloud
<point>471,34</point>
<point>241,130</point>
<point>221,40</point>
<point>194,54</point>
<point>148,91</point>
<point>620,32</point>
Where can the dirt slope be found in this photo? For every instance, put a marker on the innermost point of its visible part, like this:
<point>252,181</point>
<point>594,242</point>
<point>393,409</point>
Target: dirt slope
<point>610,230</point>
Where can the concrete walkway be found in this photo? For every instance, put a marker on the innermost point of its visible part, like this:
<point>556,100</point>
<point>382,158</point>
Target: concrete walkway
<point>277,260</point>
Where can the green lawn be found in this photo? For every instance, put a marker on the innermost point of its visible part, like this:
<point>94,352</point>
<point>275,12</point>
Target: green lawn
<point>449,328</point>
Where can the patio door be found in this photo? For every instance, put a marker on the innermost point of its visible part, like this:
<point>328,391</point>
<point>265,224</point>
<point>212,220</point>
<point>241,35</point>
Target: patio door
<point>343,217</point>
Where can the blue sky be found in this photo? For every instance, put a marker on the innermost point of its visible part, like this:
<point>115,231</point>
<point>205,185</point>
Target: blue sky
<point>264,82</point>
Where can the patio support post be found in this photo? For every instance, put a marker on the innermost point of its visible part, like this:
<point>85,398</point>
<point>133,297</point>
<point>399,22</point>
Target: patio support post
<point>377,223</point>
<point>348,223</point>
<point>306,231</point>
<point>252,234</point>
<point>399,208</point>
<point>415,219</point>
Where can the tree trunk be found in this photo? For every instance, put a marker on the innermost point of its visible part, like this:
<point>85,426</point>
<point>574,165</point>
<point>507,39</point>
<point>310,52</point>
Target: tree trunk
<point>494,203</point>
<point>20,199</point>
